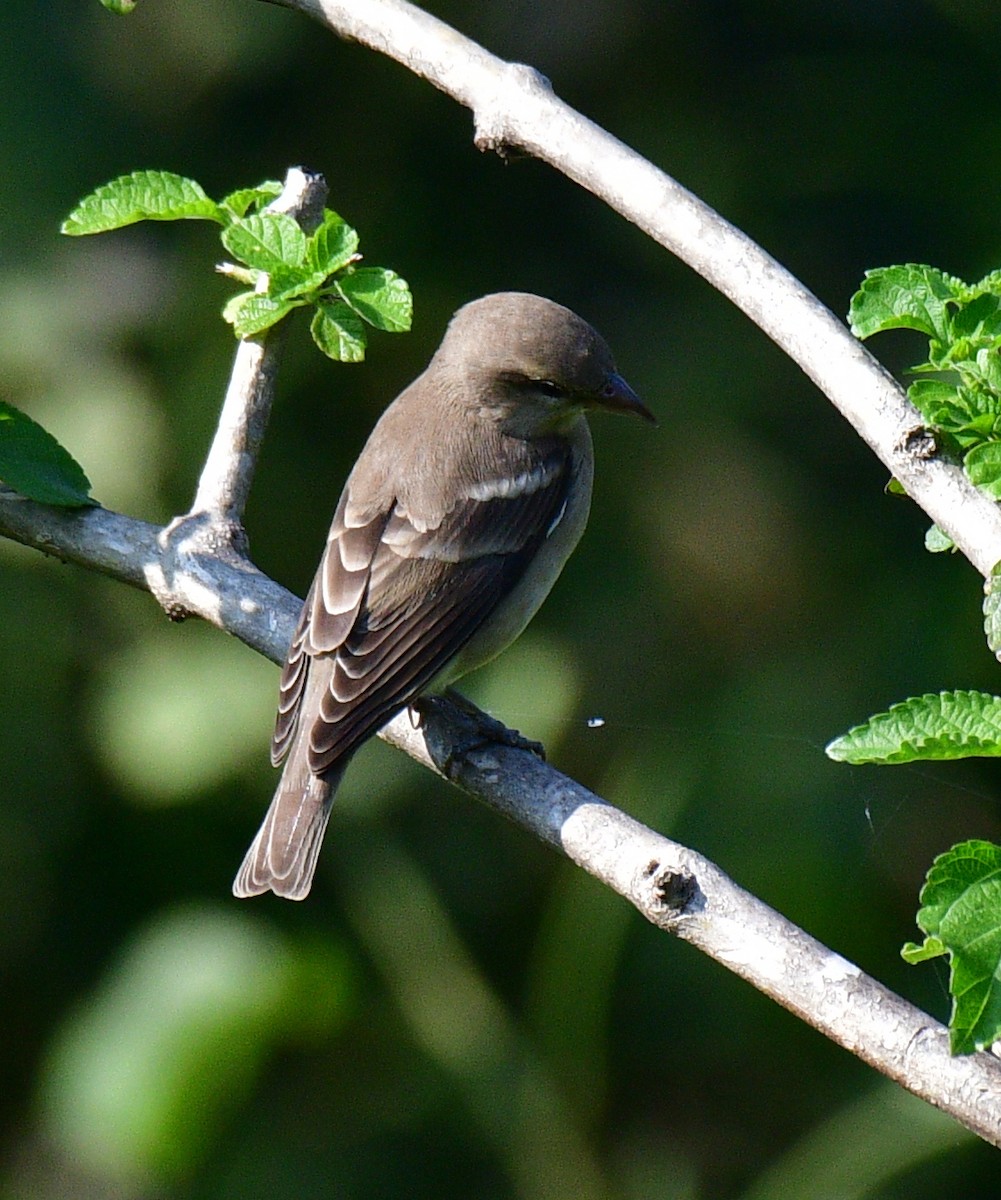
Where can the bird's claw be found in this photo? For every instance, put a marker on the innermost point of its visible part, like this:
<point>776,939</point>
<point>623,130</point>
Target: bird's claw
<point>480,731</point>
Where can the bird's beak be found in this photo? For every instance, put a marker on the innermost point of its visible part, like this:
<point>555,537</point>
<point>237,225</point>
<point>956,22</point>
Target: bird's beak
<point>618,396</point>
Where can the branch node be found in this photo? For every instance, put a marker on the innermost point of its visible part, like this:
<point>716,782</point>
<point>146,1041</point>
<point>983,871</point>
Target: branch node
<point>492,117</point>
<point>918,442</point>
<point>672,891</point>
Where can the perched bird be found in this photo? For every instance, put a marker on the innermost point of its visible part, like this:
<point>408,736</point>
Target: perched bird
<point>468,498</point>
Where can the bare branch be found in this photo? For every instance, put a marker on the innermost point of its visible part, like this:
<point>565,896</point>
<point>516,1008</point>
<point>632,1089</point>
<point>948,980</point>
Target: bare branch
<point>200,580</point>
<point>680,891</point>
<point>514,107</point>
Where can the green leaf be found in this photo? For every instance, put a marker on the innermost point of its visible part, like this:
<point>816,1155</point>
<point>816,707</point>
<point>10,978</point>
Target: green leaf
<point>990,284</point>
<point>937,540</point>
<point>338,331</point>
<point>266,241</point>
<point>251,313</point>
<point>289,283</point>
<point>989,366</point>
<point>983,466</point>
<point>33,463</point>
<point>944,725</point>
<point>978,317</point>
<point>241,201</point>
<point>333,245</point>
<point>961,915</point>
<point>933,398</point>
<point>992,610</point>
<point>141,196</point>
<point>120,6</point>
<point>911,296</point>
<point>380,296</point>
<point>930,948</point>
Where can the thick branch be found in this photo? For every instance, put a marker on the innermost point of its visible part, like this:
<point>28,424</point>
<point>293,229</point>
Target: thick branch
<point>514,106</point>
<point>222,588</point>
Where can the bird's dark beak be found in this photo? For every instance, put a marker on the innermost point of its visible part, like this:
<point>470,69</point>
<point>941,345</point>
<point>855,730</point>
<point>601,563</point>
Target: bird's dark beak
<point>618,396</point>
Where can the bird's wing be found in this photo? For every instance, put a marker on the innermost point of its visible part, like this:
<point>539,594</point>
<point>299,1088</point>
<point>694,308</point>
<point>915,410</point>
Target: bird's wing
<point>393,601</point>
<point>331,608</point>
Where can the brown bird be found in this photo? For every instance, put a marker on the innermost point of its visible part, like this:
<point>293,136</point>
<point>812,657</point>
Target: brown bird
<point>468,498</point>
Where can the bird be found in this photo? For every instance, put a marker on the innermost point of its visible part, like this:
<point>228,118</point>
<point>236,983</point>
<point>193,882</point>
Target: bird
<point>470,494</point>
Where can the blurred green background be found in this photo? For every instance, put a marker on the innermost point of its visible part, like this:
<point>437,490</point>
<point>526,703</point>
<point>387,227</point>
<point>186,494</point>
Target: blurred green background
<point>455,1012</point>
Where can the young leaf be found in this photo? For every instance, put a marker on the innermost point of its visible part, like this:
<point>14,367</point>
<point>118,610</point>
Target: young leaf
<point>141,196</point>
<point>978,317</point>
<point>992,610</point>
<point>380,296</point>
<point>266,241</point>
<point>288,283</point>
<point>904,297</point>
<point>983,465</point>
<point>33,463</point>
<point>240,202</point>
<point>961,915</point>
<point>338,331</point>
<point>935,399</point>
<point>989,366</point>
<point>252,312</point>
<point>990,284</point>
<point>945,725</point>
<point>937,541</point>
<point>333,245</point>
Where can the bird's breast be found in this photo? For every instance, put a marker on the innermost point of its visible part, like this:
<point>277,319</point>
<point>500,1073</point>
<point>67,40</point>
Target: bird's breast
<point>516,610</point>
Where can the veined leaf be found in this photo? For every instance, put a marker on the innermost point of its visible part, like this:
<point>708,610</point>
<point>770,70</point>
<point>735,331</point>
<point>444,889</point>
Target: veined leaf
<point>266,241</point>
<point>241,201</point>
<point>983,465</point>
<point>943,725</point>
<point>333,245</point>
<point>141,196</point>
<point>251,313</point>
<point>339,332</point>
<point>911,296</point>
<point>961,915</point>
<point>33,463</point>
<point>380,296</point>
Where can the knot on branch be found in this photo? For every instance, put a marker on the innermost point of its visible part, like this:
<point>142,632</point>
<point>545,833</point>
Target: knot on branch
<point>918,442</point>
<point>669,892</point>
<point>184,543</point>
<point>494,126</point>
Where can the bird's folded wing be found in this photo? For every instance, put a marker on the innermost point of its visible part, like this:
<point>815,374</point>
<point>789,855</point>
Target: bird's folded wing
<point>394,600</point>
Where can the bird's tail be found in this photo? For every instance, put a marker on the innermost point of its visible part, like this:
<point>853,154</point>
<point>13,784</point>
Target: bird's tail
<point>282,858</point>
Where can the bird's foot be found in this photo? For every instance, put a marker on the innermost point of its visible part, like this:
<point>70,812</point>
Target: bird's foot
<point>479,731</point>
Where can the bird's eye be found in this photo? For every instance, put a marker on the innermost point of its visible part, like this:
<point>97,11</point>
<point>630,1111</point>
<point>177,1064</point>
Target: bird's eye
<point>548,388</point>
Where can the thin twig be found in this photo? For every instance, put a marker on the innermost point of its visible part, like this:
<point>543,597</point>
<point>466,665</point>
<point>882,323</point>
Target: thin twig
<point>226,478</point>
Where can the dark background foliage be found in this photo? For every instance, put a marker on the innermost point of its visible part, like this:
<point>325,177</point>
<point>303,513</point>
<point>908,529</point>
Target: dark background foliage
<point>455,1011</point>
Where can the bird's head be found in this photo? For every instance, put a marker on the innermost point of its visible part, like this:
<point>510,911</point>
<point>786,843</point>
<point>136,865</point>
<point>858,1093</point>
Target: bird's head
<point>533,363</point>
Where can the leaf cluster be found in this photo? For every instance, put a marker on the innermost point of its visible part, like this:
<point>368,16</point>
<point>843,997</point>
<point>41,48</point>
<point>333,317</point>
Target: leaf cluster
<point>958,393</point>
<point>962,322</point>
<point>283,268</point>
<point>961,916</point>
